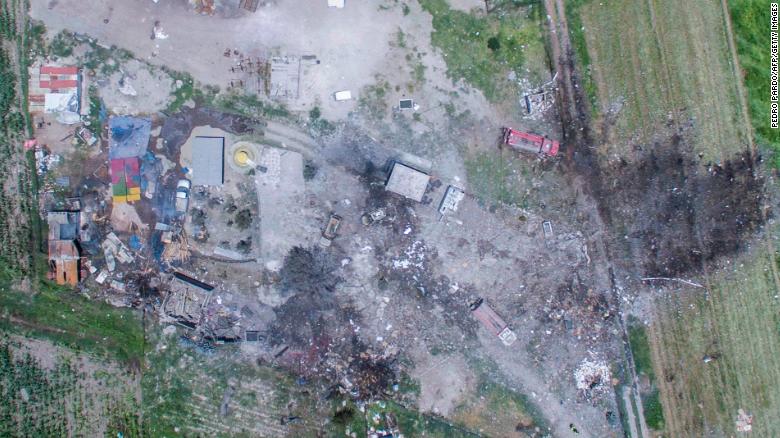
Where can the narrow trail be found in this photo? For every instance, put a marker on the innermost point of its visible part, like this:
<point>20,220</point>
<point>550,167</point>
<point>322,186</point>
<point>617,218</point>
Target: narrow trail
<point>577,127</point>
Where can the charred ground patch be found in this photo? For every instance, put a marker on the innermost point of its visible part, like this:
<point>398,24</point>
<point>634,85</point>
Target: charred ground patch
<point>677,212</point>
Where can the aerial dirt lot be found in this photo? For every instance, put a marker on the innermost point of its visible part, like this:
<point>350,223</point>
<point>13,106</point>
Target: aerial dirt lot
<point>384,304</point>
<point>297,295</point>
<point>196,43</point>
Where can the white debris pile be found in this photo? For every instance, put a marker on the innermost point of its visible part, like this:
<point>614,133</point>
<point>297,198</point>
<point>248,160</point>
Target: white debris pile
<point>744,421</point>
<point>592,375</point>
<point>159,33</point>
<point>412,257</point>
<point>44,161</point>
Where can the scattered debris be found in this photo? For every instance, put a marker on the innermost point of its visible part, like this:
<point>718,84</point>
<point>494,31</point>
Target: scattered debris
<point>331,228</point>
<point>373,216</point>
<point>451,199</point>
<point>592,377</point>
<point>744,422</point>
<point>681,280</point>
<point>157,32</point>
<point>547,229</point>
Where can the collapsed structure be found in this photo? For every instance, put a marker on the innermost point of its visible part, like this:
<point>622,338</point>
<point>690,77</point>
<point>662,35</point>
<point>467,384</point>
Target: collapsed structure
<point>64,254</point>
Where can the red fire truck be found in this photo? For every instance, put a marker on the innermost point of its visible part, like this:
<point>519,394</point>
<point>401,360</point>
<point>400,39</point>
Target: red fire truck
<point>526,142</point>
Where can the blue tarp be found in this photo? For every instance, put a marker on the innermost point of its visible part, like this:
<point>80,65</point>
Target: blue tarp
<point>129,136</point>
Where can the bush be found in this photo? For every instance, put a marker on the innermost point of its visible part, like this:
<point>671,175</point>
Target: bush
<point>62,45</point>
<point>198,217</point>
<point>309,170</point>
<point>245,245</point>
<point>243,219</point>
<point>654,413</point>
<point>308,271</point>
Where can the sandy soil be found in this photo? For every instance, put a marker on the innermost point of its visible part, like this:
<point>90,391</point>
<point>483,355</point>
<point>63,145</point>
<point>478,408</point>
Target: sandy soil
<point>348,60</point>
<point>444,382</point>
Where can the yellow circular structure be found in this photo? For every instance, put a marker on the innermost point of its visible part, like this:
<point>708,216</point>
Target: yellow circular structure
<point>243,156</point>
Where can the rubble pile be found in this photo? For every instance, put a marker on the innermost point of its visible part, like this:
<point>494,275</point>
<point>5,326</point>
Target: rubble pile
<point>593,377</point>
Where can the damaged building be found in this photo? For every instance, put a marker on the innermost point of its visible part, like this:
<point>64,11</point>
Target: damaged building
<point>64,253</point>
<point>407,181</point>
<point>56,90</point>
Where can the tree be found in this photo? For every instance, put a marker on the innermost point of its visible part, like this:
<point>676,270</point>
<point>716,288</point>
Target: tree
<point>243,219</point>
<point>308,271</point>
<point>494,44</point>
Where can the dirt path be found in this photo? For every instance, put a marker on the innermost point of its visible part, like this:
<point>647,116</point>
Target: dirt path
<point>575,119</point>
<point>630,412</point>
<point>559,56</point>
<point>559,414</point>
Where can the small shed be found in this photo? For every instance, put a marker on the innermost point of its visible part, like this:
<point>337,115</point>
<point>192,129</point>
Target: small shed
<point>55,89</point>
<point>64,257</point>
<point>407,181</point>
<point>208,161</point>
<point>64,262</point>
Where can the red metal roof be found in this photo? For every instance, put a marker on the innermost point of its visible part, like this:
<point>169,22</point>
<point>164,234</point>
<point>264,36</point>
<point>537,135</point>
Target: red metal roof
<point>60,83</point>
<point>50,69</point>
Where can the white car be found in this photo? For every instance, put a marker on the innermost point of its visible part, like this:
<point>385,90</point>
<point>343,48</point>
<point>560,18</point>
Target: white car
<point>182,195</point>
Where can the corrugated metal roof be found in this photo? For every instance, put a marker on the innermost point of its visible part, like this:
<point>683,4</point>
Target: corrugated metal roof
<point>54,70</point>
<point>208,156</point>
<point>60,83</point>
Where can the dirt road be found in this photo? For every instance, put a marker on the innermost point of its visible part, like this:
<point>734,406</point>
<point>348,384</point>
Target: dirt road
<point>576,122</point>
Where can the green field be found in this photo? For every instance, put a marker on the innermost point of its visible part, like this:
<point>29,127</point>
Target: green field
<point>643,363</point>
<point>72,320</point>
<point>483,49</point>
<point>653,69</point>
<point>738,325</point>
<point>750,21</point>
<point>19,221</point>
<point>48,391</point>
<point>647,63</point>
